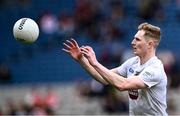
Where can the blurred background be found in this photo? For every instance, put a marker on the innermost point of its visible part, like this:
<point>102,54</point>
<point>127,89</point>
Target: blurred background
<point>40,79</point>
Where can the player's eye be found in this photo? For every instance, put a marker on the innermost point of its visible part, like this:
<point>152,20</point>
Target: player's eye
<point>137,39</point>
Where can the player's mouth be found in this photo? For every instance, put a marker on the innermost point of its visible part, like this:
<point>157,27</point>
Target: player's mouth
<point>134,48</point>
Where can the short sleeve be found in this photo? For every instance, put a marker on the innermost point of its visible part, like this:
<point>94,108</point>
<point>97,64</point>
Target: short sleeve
<point>150,76</point>
<point>122,69</point>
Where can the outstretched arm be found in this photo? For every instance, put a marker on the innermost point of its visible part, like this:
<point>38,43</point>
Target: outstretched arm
<point>73,49</point>
<point>111,76</point>
<point>85,64</point>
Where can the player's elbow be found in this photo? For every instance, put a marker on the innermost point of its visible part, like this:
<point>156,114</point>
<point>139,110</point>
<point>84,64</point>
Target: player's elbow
<point>127,85</point>
<point>123,86</point>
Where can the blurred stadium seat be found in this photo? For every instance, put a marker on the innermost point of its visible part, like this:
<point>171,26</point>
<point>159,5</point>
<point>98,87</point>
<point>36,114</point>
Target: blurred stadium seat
<point>45,62</point>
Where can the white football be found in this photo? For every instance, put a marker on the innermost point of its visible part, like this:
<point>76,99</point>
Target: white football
<point>26,31</point>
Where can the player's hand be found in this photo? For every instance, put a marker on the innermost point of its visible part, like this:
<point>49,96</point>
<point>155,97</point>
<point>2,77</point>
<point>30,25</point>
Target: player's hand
<point>89,54</point>
<point>71,47</point>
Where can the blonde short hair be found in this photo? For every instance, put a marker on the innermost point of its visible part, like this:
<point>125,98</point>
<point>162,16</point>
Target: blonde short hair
<point>151,31</point>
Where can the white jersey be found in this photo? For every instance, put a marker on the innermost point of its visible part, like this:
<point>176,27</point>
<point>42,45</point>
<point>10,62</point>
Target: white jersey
<point>152,100</point>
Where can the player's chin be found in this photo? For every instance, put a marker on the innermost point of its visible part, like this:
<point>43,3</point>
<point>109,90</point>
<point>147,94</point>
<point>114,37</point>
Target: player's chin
<point>134,51</point>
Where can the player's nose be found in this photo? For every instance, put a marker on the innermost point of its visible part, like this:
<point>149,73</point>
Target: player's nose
<point>133,42</point>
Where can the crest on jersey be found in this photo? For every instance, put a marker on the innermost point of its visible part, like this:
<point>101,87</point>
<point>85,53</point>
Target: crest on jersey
<point>131,70</point>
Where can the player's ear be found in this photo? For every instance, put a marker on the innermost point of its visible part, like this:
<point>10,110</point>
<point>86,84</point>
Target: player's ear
<point>150,43</point>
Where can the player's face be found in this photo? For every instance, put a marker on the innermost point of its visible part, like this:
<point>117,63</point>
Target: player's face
<point>139,44</point>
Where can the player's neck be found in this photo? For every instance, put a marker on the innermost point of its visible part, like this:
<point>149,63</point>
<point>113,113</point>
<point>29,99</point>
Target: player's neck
<point>146,57</point>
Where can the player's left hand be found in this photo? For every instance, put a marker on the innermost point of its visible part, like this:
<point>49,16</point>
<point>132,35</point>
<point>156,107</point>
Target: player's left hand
<point>89,54</point>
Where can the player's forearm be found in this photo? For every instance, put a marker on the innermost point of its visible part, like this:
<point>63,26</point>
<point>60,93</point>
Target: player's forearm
<point>111,77</point>
<point>85,64</point>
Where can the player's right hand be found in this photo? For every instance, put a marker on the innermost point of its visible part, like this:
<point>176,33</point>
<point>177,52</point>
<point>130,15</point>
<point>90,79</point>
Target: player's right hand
<point>71,47</point>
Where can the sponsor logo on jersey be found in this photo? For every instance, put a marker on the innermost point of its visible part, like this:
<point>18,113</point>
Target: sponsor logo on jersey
<point>147,74</point>
<point>133,94</point>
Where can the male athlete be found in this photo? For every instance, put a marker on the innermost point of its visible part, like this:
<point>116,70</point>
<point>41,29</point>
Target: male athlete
<point>143,76</point>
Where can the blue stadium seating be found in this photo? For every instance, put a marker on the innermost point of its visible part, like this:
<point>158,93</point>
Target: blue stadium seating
<point>35,63</point>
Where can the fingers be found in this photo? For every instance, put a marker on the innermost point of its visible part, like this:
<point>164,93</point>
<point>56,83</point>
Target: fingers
<point>66,45</point>
<point>87,49</point>
<point>70,43</point>
<point>66,50</point>
<point>74,42</point>
<point>84,50</point>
